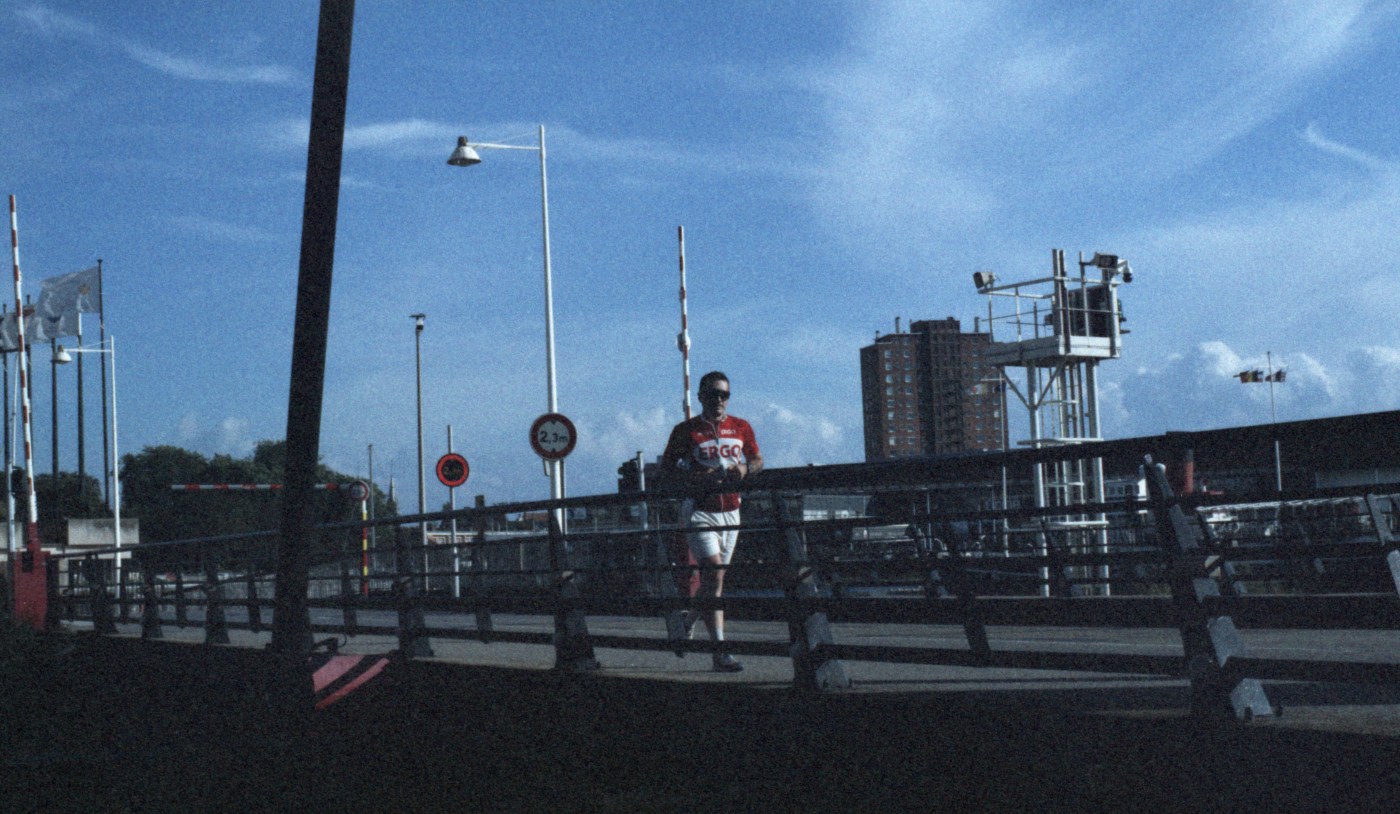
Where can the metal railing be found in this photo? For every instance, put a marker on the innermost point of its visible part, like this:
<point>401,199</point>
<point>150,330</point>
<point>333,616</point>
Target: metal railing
<point>933,546</point>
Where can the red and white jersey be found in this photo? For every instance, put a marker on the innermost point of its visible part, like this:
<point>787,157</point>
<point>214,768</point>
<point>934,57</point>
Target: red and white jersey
<point>713,445</point>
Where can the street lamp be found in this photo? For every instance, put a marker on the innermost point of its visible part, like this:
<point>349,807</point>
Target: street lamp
<point>465,156</point>
<point>63,356</point>
<point>422,503</point>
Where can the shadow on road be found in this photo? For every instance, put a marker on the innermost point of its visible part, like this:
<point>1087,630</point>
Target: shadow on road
<point>132,726</point>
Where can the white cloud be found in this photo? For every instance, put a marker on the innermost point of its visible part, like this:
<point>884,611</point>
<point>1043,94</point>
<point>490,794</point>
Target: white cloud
<point>619,437</point>
<point>57,24</point>
<point>1199,390</point>
<point>212,229</point>
<point>228,436</point>
<point>199,70</point>
<point>790,438</point>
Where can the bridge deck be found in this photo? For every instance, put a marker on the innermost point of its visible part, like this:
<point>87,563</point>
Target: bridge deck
<point>1369,709</point>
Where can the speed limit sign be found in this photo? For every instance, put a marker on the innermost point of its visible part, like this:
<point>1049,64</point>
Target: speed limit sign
<point>553,436</point>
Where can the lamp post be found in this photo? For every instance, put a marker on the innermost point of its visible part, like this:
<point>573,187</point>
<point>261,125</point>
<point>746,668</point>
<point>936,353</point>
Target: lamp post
<point>465,156</point>
<point>63,356</point>
<point>422,486</point>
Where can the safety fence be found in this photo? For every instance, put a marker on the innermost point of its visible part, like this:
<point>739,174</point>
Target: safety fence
<point>821,547</point>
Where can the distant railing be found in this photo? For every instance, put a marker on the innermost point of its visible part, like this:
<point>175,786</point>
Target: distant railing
<point>935,546</point>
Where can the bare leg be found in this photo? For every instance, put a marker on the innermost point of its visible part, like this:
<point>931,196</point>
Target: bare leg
<point>712,585</point>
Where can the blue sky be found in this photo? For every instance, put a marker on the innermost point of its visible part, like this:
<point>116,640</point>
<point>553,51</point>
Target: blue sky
<point>834,164</point>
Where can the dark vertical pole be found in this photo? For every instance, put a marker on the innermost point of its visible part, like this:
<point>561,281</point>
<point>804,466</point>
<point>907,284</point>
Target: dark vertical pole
<point>291,630</point>
<point>102,343</point>
<point>82,453</point>
<point>53,376</point>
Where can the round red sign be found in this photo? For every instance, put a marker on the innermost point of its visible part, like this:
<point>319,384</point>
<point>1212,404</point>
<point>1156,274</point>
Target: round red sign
<point>452,470</point>
<point>553,436</point>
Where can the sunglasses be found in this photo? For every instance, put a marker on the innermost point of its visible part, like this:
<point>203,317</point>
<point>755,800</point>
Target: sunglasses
<point>710,394</point>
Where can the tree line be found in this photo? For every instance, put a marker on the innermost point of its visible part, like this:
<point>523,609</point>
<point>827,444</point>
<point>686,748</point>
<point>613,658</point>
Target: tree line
<point>169,515</point>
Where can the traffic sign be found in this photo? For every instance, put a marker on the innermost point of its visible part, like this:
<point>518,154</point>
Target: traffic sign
<point>452,470</point>
<point>359,491</point>
<point>553,436</point>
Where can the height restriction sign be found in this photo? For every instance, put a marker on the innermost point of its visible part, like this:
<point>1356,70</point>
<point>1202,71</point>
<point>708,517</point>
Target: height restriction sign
<point>553,436</point>
<point>452,470</point>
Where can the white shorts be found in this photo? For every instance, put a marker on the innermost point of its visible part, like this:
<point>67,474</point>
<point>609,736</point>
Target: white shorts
<point>706,544</point>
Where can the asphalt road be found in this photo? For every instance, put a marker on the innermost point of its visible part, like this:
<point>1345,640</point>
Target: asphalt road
<point>1371,709</point>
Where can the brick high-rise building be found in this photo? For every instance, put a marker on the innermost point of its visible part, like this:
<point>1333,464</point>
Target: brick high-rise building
<point>930,392</point>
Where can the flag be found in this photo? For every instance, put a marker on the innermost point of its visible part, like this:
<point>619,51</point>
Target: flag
<point>40,328</point>
<point>1277,376</point>
<point>9,332</point>
<point>37,328</point>
<point>1249,376</point>
<point>70,294</point>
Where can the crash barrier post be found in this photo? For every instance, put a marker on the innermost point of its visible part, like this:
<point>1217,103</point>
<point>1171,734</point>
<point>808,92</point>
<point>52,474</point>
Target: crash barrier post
<point>1209,642</point>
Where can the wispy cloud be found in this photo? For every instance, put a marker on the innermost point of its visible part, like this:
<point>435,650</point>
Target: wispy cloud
<point>50,22</point>
<point>1313,136</point>
<point>212,229</point>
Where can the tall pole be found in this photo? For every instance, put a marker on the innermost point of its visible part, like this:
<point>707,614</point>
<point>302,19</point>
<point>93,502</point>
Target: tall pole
<point>82,455</point>
<point>32,526</point>
<point>373,538</point>
<point>116,460</point>
<point>53,376</point>
<point>556,472</point>
<point>683,340</point>
<point>422,485</point>
<point>102,340</point>
<point>291,631</point>
<point>456,552</point>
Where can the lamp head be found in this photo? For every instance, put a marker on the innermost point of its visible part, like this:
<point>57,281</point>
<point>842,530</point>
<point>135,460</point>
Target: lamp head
<point>464,155</point>
<point>983,279</point>
<point>417,322</point>
<point>61,356</point>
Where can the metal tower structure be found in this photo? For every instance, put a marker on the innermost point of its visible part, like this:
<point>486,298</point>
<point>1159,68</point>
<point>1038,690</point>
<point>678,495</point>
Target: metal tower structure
<point>1058,328</point>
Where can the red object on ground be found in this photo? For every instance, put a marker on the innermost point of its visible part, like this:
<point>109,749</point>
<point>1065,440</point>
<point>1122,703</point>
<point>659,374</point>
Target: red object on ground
<point>31,583</point>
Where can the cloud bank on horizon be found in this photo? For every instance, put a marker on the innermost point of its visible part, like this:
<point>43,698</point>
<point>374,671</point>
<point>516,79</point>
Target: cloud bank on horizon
<point>835,164</point>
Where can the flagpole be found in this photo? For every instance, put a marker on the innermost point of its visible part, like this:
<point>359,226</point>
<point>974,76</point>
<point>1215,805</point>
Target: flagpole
<point>102,340</point>
<point>82,460</point>
<point>53,376</point>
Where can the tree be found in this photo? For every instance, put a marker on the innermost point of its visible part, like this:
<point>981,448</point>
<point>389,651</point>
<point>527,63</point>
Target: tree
<point>168,515</point>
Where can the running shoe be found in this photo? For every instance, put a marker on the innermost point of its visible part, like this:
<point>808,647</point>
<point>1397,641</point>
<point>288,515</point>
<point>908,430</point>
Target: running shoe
<point>725,663</point>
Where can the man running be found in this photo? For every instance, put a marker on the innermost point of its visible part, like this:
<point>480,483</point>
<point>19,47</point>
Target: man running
<point>714,447</point>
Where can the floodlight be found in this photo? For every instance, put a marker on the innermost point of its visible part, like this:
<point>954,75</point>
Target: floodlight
<point>464,155</point>
<point>983,279</point>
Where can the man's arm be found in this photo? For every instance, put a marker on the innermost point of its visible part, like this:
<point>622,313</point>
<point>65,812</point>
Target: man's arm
<point>753,459</point>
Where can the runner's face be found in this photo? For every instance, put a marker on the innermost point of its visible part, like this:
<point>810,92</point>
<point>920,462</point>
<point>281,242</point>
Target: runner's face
<point>714,399</point>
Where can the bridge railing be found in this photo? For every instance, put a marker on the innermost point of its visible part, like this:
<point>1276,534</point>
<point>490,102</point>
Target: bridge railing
<point>920,543</point>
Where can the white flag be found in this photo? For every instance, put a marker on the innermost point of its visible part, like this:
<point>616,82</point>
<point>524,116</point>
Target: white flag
<point>79,292</point>
<point>40,328</point>
<point>37,328</point>
<point>9,332</point>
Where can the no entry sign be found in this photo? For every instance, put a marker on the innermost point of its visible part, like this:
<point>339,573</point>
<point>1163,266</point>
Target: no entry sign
<point>553,436</point>
<point>452,470</point>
